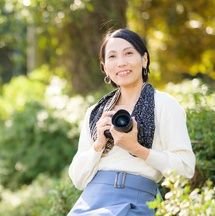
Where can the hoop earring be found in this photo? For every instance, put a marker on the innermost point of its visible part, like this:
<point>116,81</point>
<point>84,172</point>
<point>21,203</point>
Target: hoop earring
<point>145,71</point>
<point>107,80</point>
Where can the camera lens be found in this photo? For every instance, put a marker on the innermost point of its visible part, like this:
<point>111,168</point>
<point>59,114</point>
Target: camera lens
<point>122,121</point>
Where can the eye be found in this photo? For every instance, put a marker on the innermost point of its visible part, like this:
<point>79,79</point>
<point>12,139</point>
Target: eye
<point>129,53</point>
<point>111,56</point>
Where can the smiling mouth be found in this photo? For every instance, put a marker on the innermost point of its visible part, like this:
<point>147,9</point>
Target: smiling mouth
<point>123,73</point>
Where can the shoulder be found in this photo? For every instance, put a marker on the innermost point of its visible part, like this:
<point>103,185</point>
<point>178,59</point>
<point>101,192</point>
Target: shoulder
<point>102,101</point>
<point>91,107</point>
<point>167,103</point>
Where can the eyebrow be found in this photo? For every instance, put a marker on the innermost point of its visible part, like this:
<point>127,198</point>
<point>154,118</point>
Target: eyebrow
<point>130,47</point>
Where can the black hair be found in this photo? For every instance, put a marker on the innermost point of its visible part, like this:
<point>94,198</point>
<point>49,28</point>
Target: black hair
<point>132,38</point>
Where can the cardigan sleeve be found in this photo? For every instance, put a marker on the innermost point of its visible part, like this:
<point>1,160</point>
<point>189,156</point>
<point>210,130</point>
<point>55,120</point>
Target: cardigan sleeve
<point>176,152</point>
<point>84,163</point>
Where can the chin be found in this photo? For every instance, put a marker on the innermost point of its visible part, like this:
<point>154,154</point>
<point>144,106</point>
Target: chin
<point>125,84</point>
<point>129,84</point>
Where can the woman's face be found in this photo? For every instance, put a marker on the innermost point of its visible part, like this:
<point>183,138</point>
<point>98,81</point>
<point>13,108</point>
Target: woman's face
<point>123,63</point>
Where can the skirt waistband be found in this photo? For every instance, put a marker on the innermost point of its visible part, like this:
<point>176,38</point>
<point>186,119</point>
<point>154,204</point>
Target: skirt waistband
<point>122,180</point>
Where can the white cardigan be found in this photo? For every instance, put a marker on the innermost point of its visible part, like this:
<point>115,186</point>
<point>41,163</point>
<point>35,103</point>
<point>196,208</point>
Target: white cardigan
<point>171,149</point>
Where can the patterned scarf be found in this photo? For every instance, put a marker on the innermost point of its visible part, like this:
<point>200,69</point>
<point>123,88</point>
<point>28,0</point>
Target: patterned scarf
<point>143,112</point>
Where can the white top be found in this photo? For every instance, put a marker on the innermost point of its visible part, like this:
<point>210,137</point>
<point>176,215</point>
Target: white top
<point>171,149</point>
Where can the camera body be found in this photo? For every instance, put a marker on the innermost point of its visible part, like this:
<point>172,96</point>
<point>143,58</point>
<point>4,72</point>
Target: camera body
<point>122,122</point>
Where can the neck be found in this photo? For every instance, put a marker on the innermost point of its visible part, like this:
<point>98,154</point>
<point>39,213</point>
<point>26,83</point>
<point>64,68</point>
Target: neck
<point>129,95</point>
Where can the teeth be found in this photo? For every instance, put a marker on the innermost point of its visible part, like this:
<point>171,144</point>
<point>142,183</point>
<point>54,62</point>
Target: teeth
<point>123,72</point>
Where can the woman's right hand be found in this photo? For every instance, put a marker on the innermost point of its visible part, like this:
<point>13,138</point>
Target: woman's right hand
<point>103,124</point>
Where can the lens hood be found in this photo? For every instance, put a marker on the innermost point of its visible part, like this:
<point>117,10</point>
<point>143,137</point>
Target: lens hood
<point>122,121</point>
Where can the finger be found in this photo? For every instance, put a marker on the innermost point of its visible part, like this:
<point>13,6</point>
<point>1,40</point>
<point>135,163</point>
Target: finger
<point>105,127</point>
<point>108,113</point>
<point>103,122</point>
<point>113,130</point>
<point>105,131</point>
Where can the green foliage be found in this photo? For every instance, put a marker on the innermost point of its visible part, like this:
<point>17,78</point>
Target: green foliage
<point>201,124</point>
<point>22,89</point>
<point>199,101</point>
<point>31,35</point>
<point>173,29</point>
<point>44,197</point>
<point>13,44</point>
<point>39,126</point>
<point>64,195</point>
<point>35,141</point>
<point>180,200</point>
<point>42,84</point>
<point>82,23</point>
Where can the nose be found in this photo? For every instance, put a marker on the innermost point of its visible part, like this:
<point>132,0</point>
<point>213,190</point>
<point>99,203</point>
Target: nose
<point>121,61</point>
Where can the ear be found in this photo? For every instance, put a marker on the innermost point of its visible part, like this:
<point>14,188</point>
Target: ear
<point>102,66</point>
<point>144,60</point>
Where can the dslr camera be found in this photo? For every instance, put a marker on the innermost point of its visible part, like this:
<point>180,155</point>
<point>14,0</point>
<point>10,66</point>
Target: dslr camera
<point>122,122</point>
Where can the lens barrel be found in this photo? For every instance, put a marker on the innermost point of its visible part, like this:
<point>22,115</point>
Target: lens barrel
<point>122,122</point>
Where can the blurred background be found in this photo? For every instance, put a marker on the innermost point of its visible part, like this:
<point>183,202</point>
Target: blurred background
<point>49,75</point>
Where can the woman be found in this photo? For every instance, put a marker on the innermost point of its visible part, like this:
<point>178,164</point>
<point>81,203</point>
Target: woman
<point>119,171</point>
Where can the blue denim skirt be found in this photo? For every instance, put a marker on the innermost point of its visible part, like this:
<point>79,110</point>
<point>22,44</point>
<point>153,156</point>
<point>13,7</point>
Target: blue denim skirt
<point>112,193</point>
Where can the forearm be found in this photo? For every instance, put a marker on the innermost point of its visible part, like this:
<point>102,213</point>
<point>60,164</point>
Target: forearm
<point>98,147</point>
<point>140,151</point>
<point>84,167</point>
<point>182,162</point>
<point>165,161</point>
